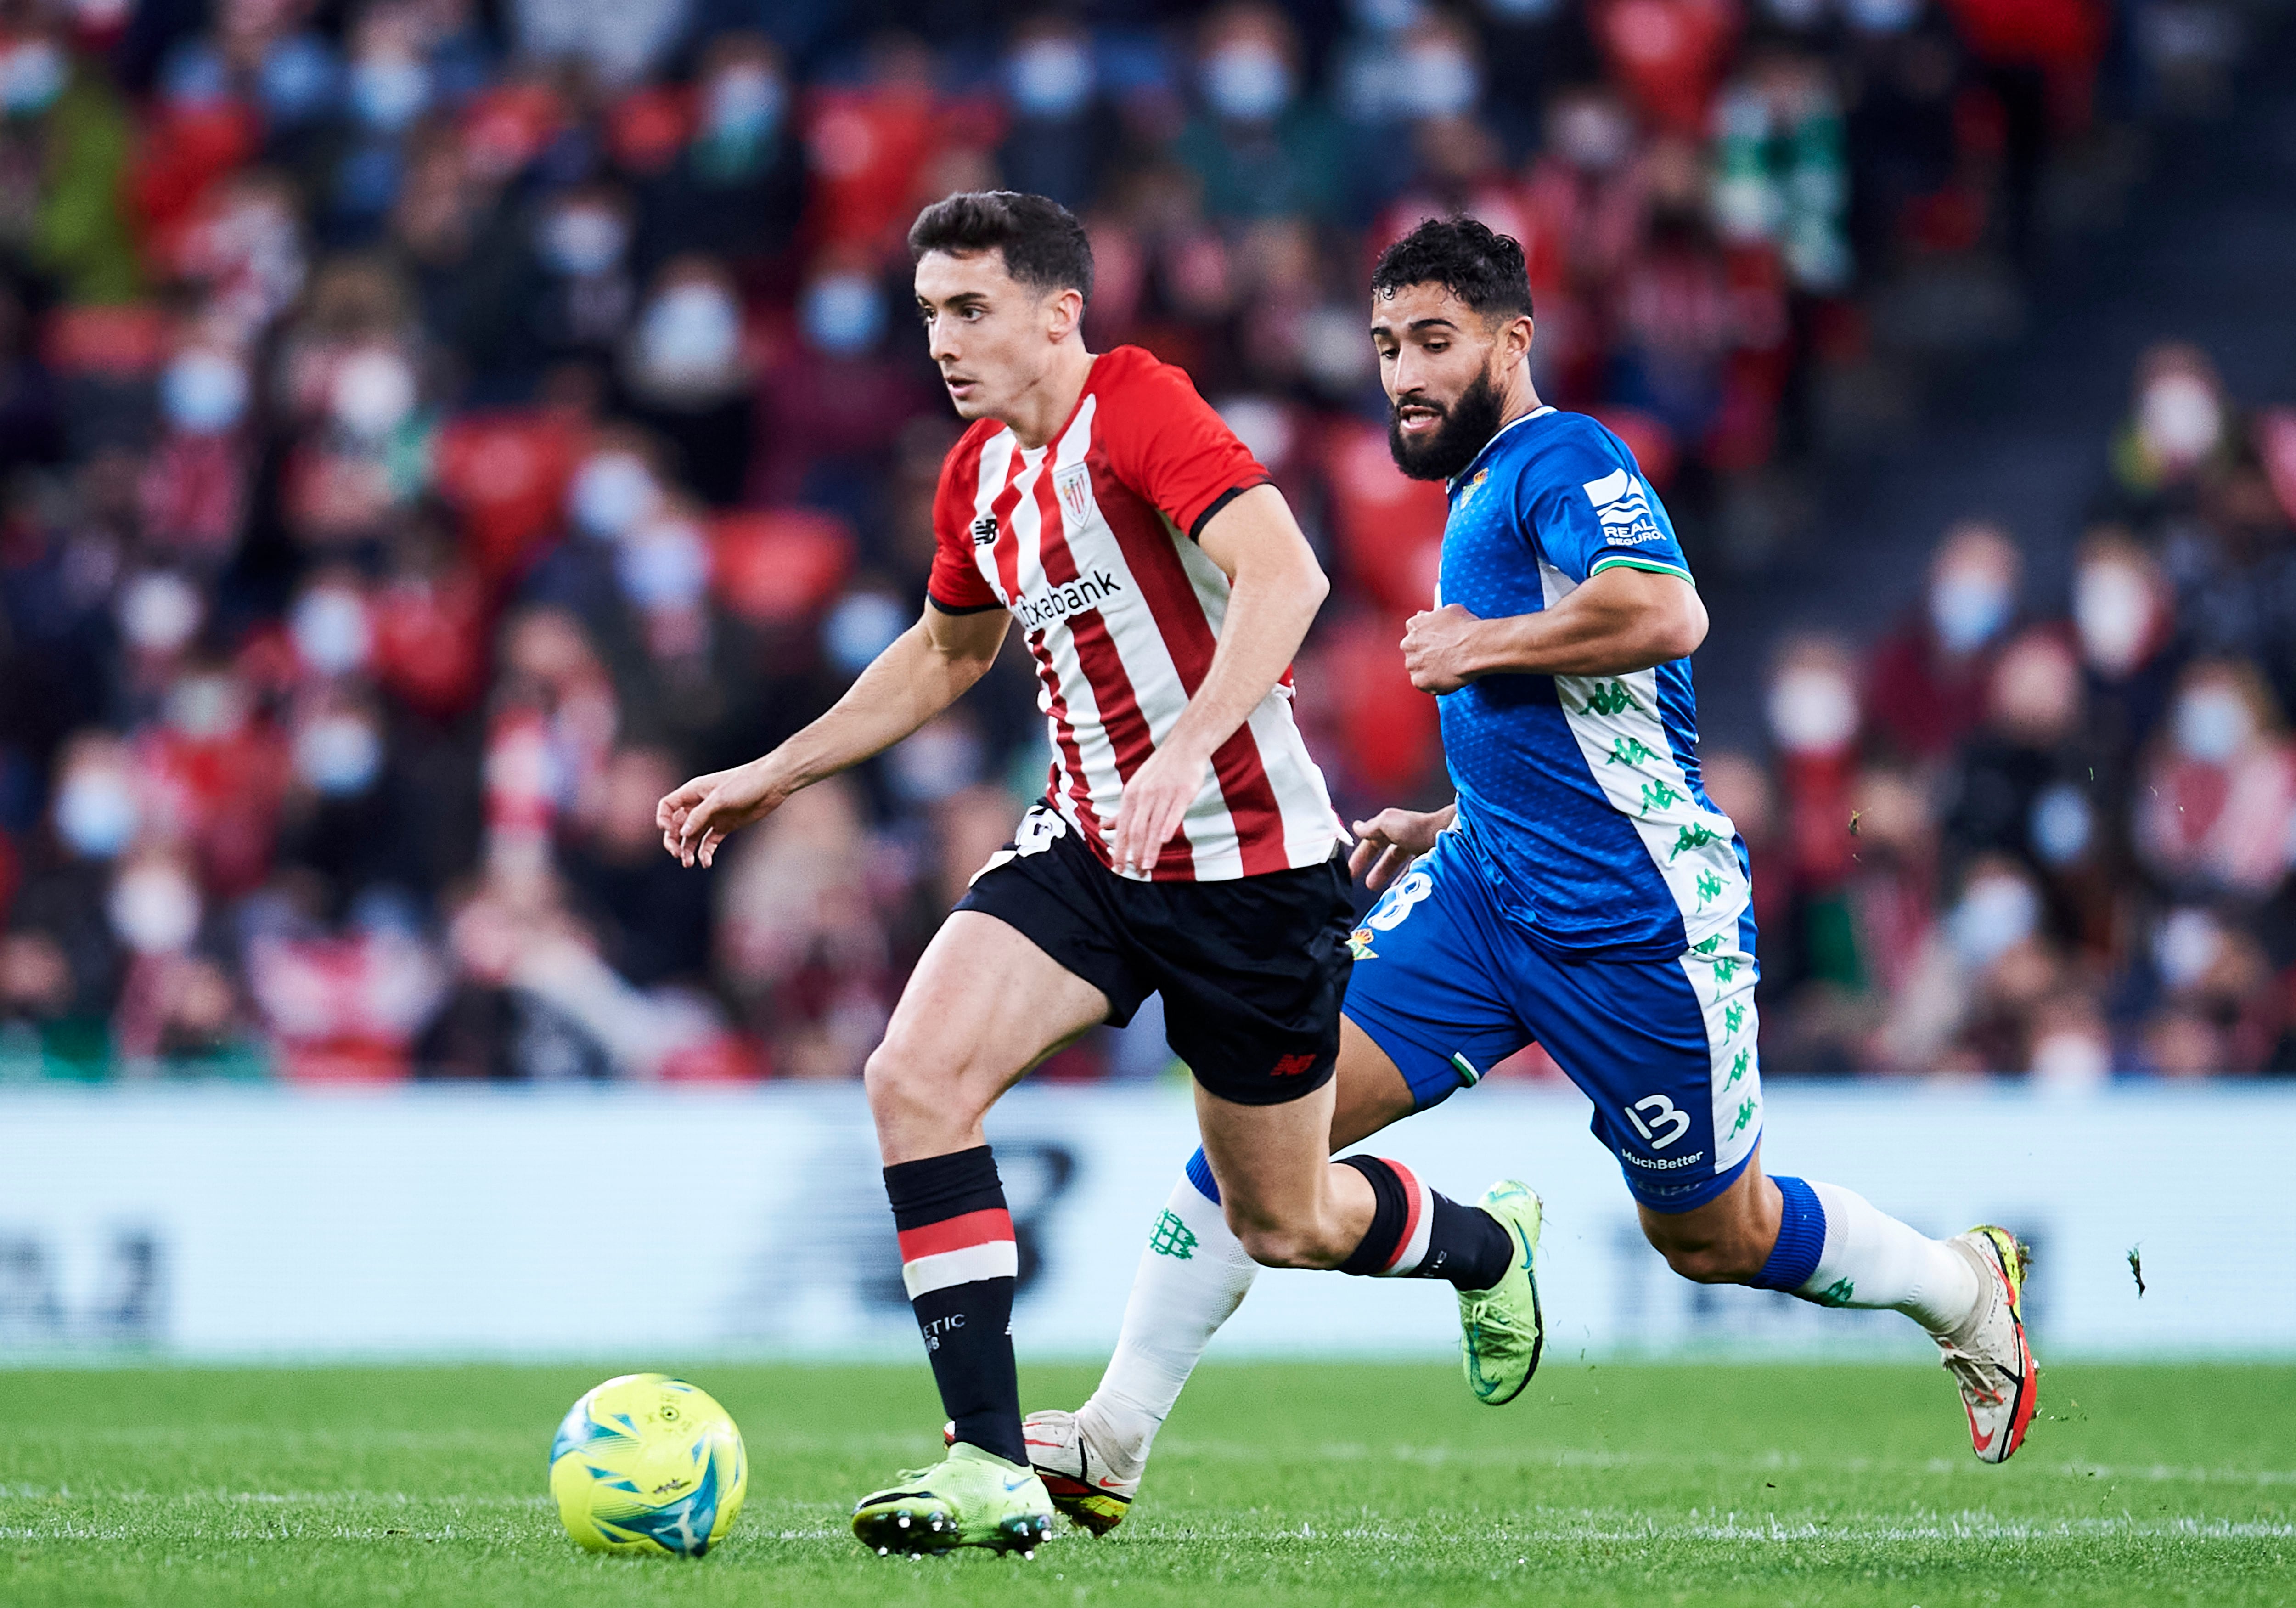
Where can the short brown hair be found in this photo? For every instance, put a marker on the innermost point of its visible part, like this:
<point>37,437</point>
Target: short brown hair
<point>1043,244</point>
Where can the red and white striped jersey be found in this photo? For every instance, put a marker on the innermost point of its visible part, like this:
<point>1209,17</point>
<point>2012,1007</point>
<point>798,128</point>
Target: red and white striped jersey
<point>1090,542</point>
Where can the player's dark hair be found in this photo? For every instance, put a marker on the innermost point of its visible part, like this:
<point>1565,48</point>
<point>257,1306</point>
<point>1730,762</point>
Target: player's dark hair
<point>1481,268</point>
<point>1043,245</point>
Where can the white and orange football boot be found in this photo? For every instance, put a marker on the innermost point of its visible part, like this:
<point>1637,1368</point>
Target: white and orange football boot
<point>1987,1355</point>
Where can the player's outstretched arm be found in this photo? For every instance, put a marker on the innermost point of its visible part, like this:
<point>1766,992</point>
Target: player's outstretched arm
<point>926,668</point>
<point>1275,587</point>
<point>1621,620</point>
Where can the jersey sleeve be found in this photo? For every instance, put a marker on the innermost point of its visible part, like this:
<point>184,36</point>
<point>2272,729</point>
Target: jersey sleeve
<point>956,585</point>
<point>1594,512</point>
<point>1166,443</point>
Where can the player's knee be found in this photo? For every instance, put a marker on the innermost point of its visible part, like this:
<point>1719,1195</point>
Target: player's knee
<point>1274,1243</point>
<point>1705,1256</point>
<point>908,1084</point>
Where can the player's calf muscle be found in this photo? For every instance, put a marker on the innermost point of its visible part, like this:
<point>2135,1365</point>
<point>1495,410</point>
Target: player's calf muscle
<point>1724,1241</point>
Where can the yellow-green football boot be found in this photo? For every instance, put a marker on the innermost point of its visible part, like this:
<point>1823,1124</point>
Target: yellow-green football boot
<point>1500,1330</point>
<point>969,1498</point>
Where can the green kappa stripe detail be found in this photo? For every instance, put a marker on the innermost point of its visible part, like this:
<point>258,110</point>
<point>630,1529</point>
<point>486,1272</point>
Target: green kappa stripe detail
<point>1612,561</point>
<point>1468,1076</point>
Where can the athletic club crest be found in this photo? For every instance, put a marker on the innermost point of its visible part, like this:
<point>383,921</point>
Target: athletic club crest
<point>1073,486</point>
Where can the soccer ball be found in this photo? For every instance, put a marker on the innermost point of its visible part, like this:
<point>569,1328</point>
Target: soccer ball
<point>648,1463</point>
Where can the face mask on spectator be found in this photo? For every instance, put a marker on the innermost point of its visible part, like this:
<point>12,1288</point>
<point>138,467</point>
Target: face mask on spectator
<point>2113,612</point>
<point>205,708</point>
<point>31,77</point>
<point>862,625</point>
<point>665,567</point>
<point>1882,16</point>
<point>1247,82</point>
<point>203,392</point>
<point>2186,945</point>
<point>1813,710</point>
<point>2062,824</point>
<point>743,102</point>
<point>331,630</point>
<point>373,394</point>
<point>388,91</point>
<point>611,492</point>
<point>1438,80</point>
<point>1968,608</point>
<point>1996,913</point>
<point>843,314</point>
<point>339,756</point>
<point>1519,12</point>
<point>582,241</point>
<point>1050,79</point>
<point>159,611</point>
<point>2179,419</point>
<point>941,759</point>
<point>297,79</point>
<point>1386,16</point>
<point>1594,137</point>
<point>2213,724</point>
<point>690,335</point>
<point>96,812</point>
<point>154,908</point>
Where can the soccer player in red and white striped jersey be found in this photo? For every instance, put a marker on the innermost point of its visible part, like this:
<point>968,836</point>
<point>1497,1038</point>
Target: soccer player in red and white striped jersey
<point>1091,541</point>
<point>1184,846</point>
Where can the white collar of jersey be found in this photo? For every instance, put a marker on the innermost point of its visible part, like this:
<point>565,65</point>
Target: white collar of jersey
<point>1537,413</point>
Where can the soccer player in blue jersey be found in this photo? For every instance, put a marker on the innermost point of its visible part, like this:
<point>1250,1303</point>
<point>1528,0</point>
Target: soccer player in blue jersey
<point>1583,892</point>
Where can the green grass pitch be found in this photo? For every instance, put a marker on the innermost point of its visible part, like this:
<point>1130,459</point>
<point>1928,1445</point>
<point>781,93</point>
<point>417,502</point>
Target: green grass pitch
<point>1273,1485</point>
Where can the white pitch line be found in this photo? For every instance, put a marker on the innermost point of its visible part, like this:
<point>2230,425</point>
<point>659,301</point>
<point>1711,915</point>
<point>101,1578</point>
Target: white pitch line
<point>1572,1457</point>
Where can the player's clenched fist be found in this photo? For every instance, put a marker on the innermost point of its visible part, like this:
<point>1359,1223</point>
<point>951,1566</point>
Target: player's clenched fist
<point>698,816</point>
<point>1391,840</point>
<point>1437,649</point>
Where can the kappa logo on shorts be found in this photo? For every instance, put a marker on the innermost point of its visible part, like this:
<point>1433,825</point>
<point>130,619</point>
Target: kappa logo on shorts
<point>1290,1066</point>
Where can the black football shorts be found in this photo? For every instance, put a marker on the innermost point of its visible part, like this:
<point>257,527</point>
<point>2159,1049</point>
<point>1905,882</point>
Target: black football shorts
<point>1252,969</point>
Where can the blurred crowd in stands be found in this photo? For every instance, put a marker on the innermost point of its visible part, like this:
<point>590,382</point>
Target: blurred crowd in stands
<point>1995,842</point>
<point>430,430</point>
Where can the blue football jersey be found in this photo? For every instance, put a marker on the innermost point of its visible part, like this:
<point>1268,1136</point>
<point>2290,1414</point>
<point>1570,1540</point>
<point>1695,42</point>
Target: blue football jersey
<point>1580,793</point>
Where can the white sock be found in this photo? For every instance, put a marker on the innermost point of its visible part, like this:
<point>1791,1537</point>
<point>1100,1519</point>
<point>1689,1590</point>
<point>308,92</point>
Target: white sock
<point>1193,1276</point>
<point>1872,1259</point>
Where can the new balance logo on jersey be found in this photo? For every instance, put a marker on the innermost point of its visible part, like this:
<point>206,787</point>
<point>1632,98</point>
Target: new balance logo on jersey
<point>984,531</point>
<point>1623,510</point>
<point>1056,603</point>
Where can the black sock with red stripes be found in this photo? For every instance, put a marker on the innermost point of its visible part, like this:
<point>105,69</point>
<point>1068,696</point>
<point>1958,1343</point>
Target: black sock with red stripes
<point>960,1263</point>
<point>1417,1234</point>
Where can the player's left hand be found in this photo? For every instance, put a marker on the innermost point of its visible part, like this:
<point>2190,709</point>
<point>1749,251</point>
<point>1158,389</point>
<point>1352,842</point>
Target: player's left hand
<point>1436,645</point>
<point>1155,800</point>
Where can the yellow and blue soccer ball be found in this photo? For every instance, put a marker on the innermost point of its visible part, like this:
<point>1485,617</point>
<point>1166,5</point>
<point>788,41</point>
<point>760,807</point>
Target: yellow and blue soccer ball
<point>648,1463</point>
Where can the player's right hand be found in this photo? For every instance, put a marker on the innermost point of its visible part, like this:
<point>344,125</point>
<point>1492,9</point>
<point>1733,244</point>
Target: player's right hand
<point>698,816</point>
<point>1390,841</point>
